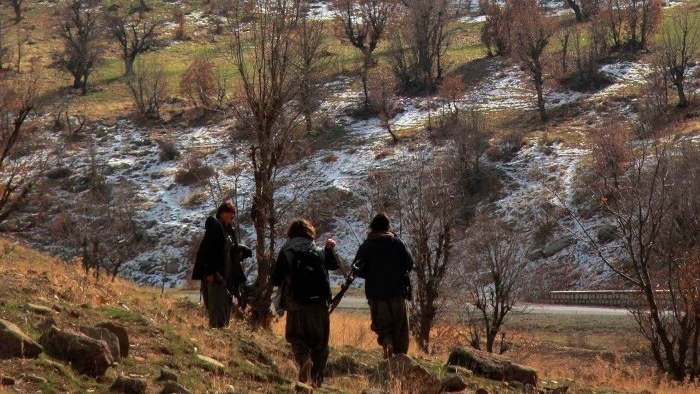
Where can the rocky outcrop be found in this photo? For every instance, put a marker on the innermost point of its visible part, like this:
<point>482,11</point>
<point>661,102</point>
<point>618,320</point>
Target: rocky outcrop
<point>15,343</point>
<point>86,355</point>
<point>401,373</point>
<point>103,334</point>
<point>121,334</point>
<point>492,366</point>
<point>128,385</point>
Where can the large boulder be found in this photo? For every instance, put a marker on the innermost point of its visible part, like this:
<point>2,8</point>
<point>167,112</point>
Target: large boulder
<point>14,343</point>
<point>86,355</point>
<point>103,334</point>
<point>404,373</point>
<point>121,334</point>
<point>492,366</point>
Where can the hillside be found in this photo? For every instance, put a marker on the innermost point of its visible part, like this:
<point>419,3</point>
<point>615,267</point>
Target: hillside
<point>153,164</point>
<point>167,333</point>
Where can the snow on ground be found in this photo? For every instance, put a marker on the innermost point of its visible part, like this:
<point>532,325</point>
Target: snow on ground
<point>532,177</point>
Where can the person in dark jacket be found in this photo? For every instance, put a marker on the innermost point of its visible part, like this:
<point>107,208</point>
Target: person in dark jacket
<point>218,265</point>
<point>385,263</point>
<point>308,323</point>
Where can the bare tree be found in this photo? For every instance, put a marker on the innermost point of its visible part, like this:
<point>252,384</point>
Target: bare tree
<point>5,50</point>
<point>266,53</point>
<point>80,31</point>
<point>311,41</point>
<point>382,93</point>
<point>17,7</point>
<point>135,34</point>
<point>363,23</point>
<point>198,83</point>
<point>424,198</point>
<point>21,158</point>
<point>655,208</point>
<point>420,42</point>
<point>583,9</point>
<point>495,32</point>
<point>642,19</point>
<point>100,227</point>
<point>149,88</point>
<point>679,45</point>
<point>493,271</point>
<point>630,22</point>
<point>532,31</point>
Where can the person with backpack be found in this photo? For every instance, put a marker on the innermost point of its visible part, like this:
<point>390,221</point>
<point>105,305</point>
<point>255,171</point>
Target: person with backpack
<point>218,265</point>
<point>301,272</point>
<point>385,263</point>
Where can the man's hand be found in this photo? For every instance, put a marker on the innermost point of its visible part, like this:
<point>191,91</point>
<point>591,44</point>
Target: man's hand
<point>209,278</point>
<point>330,243</point>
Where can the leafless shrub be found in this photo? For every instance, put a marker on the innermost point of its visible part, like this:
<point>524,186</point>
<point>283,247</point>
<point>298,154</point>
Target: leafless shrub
<point>382,93</point>
<point>180,24</point>
<point>507,146</point>
<point>496,30</point>
<point>168,149</point>
<point>493,272</point>
<point>652,107</point>
<point>22,158</point>
<point>198,83</point>
<point>149,88</point>
<point>192,170</point>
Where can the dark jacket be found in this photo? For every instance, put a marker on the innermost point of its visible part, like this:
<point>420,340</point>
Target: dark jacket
<point>385,263</point>
<point>299,244</point>
<point>211,255</point>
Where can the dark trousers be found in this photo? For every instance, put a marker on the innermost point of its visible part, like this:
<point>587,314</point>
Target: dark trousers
<point>390,323</point>
<point>307,330</point>
<point>218,304</point>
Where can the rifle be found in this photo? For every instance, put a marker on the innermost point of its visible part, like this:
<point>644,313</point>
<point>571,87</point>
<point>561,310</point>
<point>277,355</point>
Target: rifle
<point>356,265</point>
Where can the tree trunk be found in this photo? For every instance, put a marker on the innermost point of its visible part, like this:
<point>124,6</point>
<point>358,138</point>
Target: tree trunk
<point>129,66</point>
<point>364,73</point>
<point>682,99</point>
<point>577,10</point>
<point>17,7</point>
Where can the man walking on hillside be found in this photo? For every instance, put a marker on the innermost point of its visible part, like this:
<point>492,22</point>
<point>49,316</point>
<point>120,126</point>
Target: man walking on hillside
<point>385,263</point>
<point>218,265</point>
<point>301,271</point>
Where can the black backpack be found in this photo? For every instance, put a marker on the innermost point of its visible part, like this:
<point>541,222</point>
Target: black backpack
<point>308,277</point>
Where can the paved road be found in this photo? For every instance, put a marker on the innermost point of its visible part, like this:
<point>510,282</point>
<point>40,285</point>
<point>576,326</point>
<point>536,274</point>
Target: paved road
<point>358,303</point>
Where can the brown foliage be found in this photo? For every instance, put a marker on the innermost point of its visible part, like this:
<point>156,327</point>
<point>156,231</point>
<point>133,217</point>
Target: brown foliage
<point>198,83</point>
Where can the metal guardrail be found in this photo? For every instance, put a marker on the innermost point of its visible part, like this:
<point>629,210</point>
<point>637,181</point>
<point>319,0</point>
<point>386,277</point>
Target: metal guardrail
<point>619,298</point>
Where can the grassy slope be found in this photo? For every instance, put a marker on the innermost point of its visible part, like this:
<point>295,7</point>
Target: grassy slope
<point>169,331</point>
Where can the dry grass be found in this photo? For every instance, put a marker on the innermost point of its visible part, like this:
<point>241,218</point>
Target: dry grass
<point>590,354</point>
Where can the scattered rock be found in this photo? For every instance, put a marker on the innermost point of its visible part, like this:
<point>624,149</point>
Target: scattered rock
<point>210,364</point>
<point>129,385</point>
<point>39,309</point>
<point>7,381</point>
<point>452,383</point>
<point>14,343</point>
<point>121,334</point>
<point>556,246</point>
<point>492,366</point>
<point>401,371</point>
<point>35,379</point>
<point>86,355</point>
<point>167,375</point>
<point>103,334</point>
<point>171,387</point>
<point>299,387</point>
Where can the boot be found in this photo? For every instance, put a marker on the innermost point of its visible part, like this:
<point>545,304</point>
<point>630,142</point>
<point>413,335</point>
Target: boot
<point>305,370</point>
<point>388,351</point>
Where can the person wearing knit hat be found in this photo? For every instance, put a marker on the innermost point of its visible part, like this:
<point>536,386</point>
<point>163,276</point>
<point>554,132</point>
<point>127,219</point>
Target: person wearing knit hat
<point>385,263</point>
<point>218,265</point>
